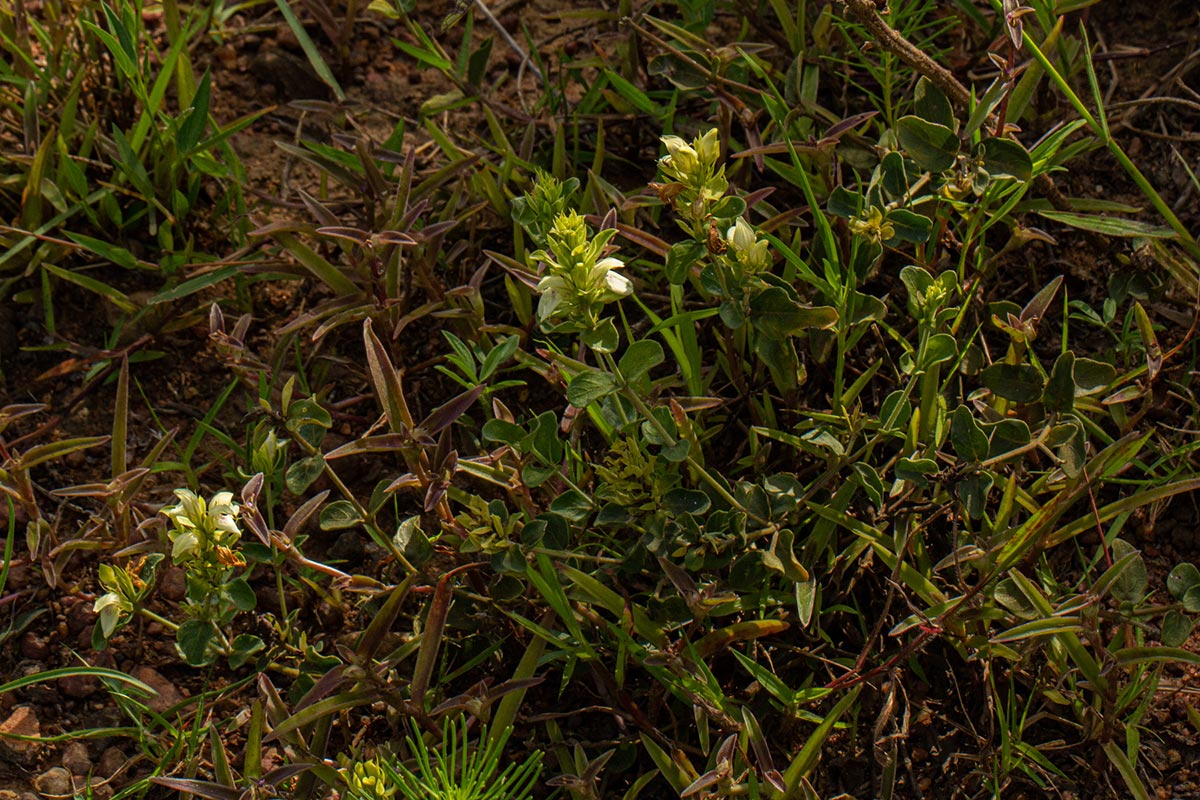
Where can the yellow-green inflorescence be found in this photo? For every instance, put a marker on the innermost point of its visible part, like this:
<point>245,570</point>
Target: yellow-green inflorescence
<point>874,227</point>
<point>125,590</point>
<point>367,780</point>
<point>203,531</point>
<point>747,249</point>
<point>696,180</point>
<point>579,278</point>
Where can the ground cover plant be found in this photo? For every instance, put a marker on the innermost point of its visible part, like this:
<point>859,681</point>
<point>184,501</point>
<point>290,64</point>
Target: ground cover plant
<point>638,400</point>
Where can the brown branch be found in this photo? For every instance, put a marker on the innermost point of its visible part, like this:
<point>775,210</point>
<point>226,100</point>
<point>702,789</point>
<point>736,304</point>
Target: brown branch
<point>865,13</point>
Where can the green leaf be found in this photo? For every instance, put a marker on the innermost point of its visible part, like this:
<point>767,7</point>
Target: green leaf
<point>686,501</point>
<point>972,492</point>
<point>1008,435</point>
<point>412,541</point>
<point>1005,157</point>
<point>934,147</point>
<point>844,203</point>
<point>909,226</point>
<point>503,431</point>
<point>1176,628</point>
<point>1039,627</point>
<point>1182,578</point>
<point>193,638</point>
<point>132,166</point>
<point>675,453</point>
<point>572,505</point>
<point>806,760</point>
<point>301,474</point>
<point>1020,383</point>
<point>241,594</point>
<point>245,645</point>
<point>1059,395</point>
<point>106,250</point>
<point>1131,585</point>
<point>1009,595</point>
<point>588,387</point>
<point>931,104</point>
<point>776,314</point>
<point>196,284</point>
<point>868,479</point>
<point>968,439</point>
<point>339,515</point>
<point>1109,226</point>
<point>940,348</point>
<point>680,259</point>
<point>782,558</point>
<point>1128,656</point>
<point>308,420</point>
<point>1092,377</point>
<point>196,123</point>
<point>1191,600</point>
<point>603,338</point>
<point>498,356</point>
<point>1153,350</point>
<point>635,96</point>
<point>639,358</point>
<point>985,105</point>
<point>729,207</point>
<point>914,470</point>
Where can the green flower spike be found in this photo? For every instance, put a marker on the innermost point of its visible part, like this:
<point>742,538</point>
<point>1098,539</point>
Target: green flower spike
<point>368,781</point>
<point>202,528</point>
<point>579,279</point>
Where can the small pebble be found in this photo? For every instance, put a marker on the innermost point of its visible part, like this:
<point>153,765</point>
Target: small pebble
<point>167,695</point>
<point>110,762</point>
<point>80,618</point>
<point>76,759</point>
<point>34,647</point>
<point>227,55</point>
<point>22,722</point>
<point>173,584</point>
<point>54,781</point>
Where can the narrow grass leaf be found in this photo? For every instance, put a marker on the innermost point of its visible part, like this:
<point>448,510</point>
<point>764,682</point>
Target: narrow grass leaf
<point>310,49</point>
<point>1109,226</point>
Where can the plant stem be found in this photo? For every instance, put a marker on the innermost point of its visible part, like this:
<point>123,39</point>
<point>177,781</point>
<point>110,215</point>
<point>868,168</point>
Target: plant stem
<point>865,13</point>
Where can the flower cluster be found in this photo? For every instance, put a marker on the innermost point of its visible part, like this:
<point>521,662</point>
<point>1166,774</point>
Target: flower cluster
<point>125,590</point>
<point>204,531</point>
<point>579,278</point>
<point>634,479</point>
<point>367,780</point>
<point>696,182</point>
<point>546,200</point>
<point>875,227</point>
<point>752,253</point>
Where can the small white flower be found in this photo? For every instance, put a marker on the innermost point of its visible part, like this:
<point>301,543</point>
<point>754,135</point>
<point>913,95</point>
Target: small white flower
<point>746,246</point>
<point>186,544</point>
<point>551,288</point>
<point>109,606</point>
<point>618,284</point>
<point>681,160</point>
<point>740,235</point>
